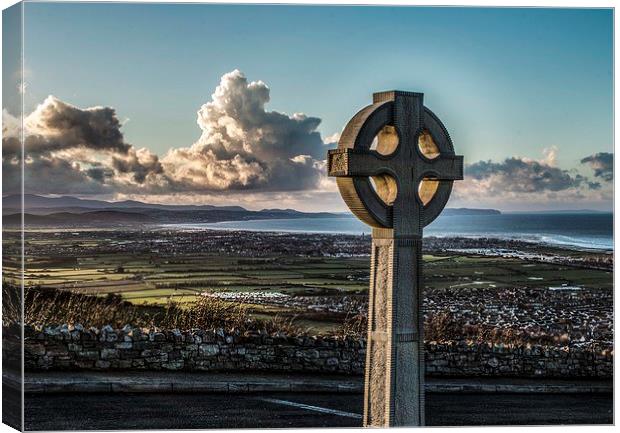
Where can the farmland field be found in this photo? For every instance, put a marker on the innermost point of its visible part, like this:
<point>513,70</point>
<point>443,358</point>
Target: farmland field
<point>157,268</point>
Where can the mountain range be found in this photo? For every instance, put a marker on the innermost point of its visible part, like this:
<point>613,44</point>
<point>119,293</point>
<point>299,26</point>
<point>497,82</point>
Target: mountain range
<point>73,211</point>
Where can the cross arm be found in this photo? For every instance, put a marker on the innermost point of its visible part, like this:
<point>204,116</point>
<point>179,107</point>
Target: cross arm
<point>445,167</point>
<point>351,162</point>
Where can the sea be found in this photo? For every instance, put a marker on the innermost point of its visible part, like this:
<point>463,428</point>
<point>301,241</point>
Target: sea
<point>590,231</point>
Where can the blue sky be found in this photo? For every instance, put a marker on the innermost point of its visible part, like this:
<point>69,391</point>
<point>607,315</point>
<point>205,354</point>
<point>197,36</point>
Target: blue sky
<point>506,82</point>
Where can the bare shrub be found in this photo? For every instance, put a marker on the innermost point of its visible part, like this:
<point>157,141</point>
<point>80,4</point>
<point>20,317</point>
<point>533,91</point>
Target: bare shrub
<point>284,325</point>
<point>442,327</point>
<point>45,307</point>
<point>206,313</point>
<point>354,325</point>
<point>11,304</point>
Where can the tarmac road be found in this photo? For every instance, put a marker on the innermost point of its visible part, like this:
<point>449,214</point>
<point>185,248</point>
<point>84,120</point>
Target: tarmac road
<point>262,410</point>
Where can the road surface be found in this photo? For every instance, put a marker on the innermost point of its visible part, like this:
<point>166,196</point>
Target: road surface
<point>262,410</point>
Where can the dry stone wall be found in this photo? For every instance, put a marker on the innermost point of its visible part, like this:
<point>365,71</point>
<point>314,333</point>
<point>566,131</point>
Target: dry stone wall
<point>69,348</point>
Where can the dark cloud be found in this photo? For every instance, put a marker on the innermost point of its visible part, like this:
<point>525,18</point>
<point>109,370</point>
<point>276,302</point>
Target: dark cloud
<point>65,126</point>
<point>55,126</point>
<point>66,177</point>
<point>140,164</point>
<point>100,174</point>
<point>603,165</point>
<point>72,150</point>
<point>523,176</point>
<point>516,182</point>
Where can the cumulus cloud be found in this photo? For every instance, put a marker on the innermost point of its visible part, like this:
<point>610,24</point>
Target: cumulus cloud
<point>521,176</point>
<point>72,150</point>
<point>56,125</point>
<point>603,165</point>
<point>243,146</point>
<point>524,180</point>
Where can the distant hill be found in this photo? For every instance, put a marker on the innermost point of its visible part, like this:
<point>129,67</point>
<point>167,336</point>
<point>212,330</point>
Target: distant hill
<point>468,211</point>
<point>565,211</point>
<point>68,219</point>
<point>72,211</point>
<point>37,201</point>
<point>280,210</point>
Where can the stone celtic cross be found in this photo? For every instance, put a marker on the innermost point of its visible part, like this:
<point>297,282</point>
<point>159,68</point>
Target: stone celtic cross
<point>395,165</point>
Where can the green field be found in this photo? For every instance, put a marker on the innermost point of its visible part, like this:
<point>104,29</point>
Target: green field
<point>141,279</point>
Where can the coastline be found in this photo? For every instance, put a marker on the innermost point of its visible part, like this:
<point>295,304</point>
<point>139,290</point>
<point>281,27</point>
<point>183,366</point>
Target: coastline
<point>214,227</point>
<point>294,226</point>
<point>587,233</point>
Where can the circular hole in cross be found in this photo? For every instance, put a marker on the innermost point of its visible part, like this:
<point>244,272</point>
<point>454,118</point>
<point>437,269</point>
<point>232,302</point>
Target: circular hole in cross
<point>427,145</point>
<point>385,187</point>
<point>386,141</point>
<point>427,189</point>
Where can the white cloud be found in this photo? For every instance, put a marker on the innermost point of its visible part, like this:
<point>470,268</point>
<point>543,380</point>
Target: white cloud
<point>242,147</point>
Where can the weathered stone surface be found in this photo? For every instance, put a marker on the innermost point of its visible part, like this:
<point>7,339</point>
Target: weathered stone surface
<point>209,349</point>
<point>109,354</point>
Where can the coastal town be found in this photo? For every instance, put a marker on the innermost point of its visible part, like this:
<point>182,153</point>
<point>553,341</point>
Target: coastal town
<point>267,244</point>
